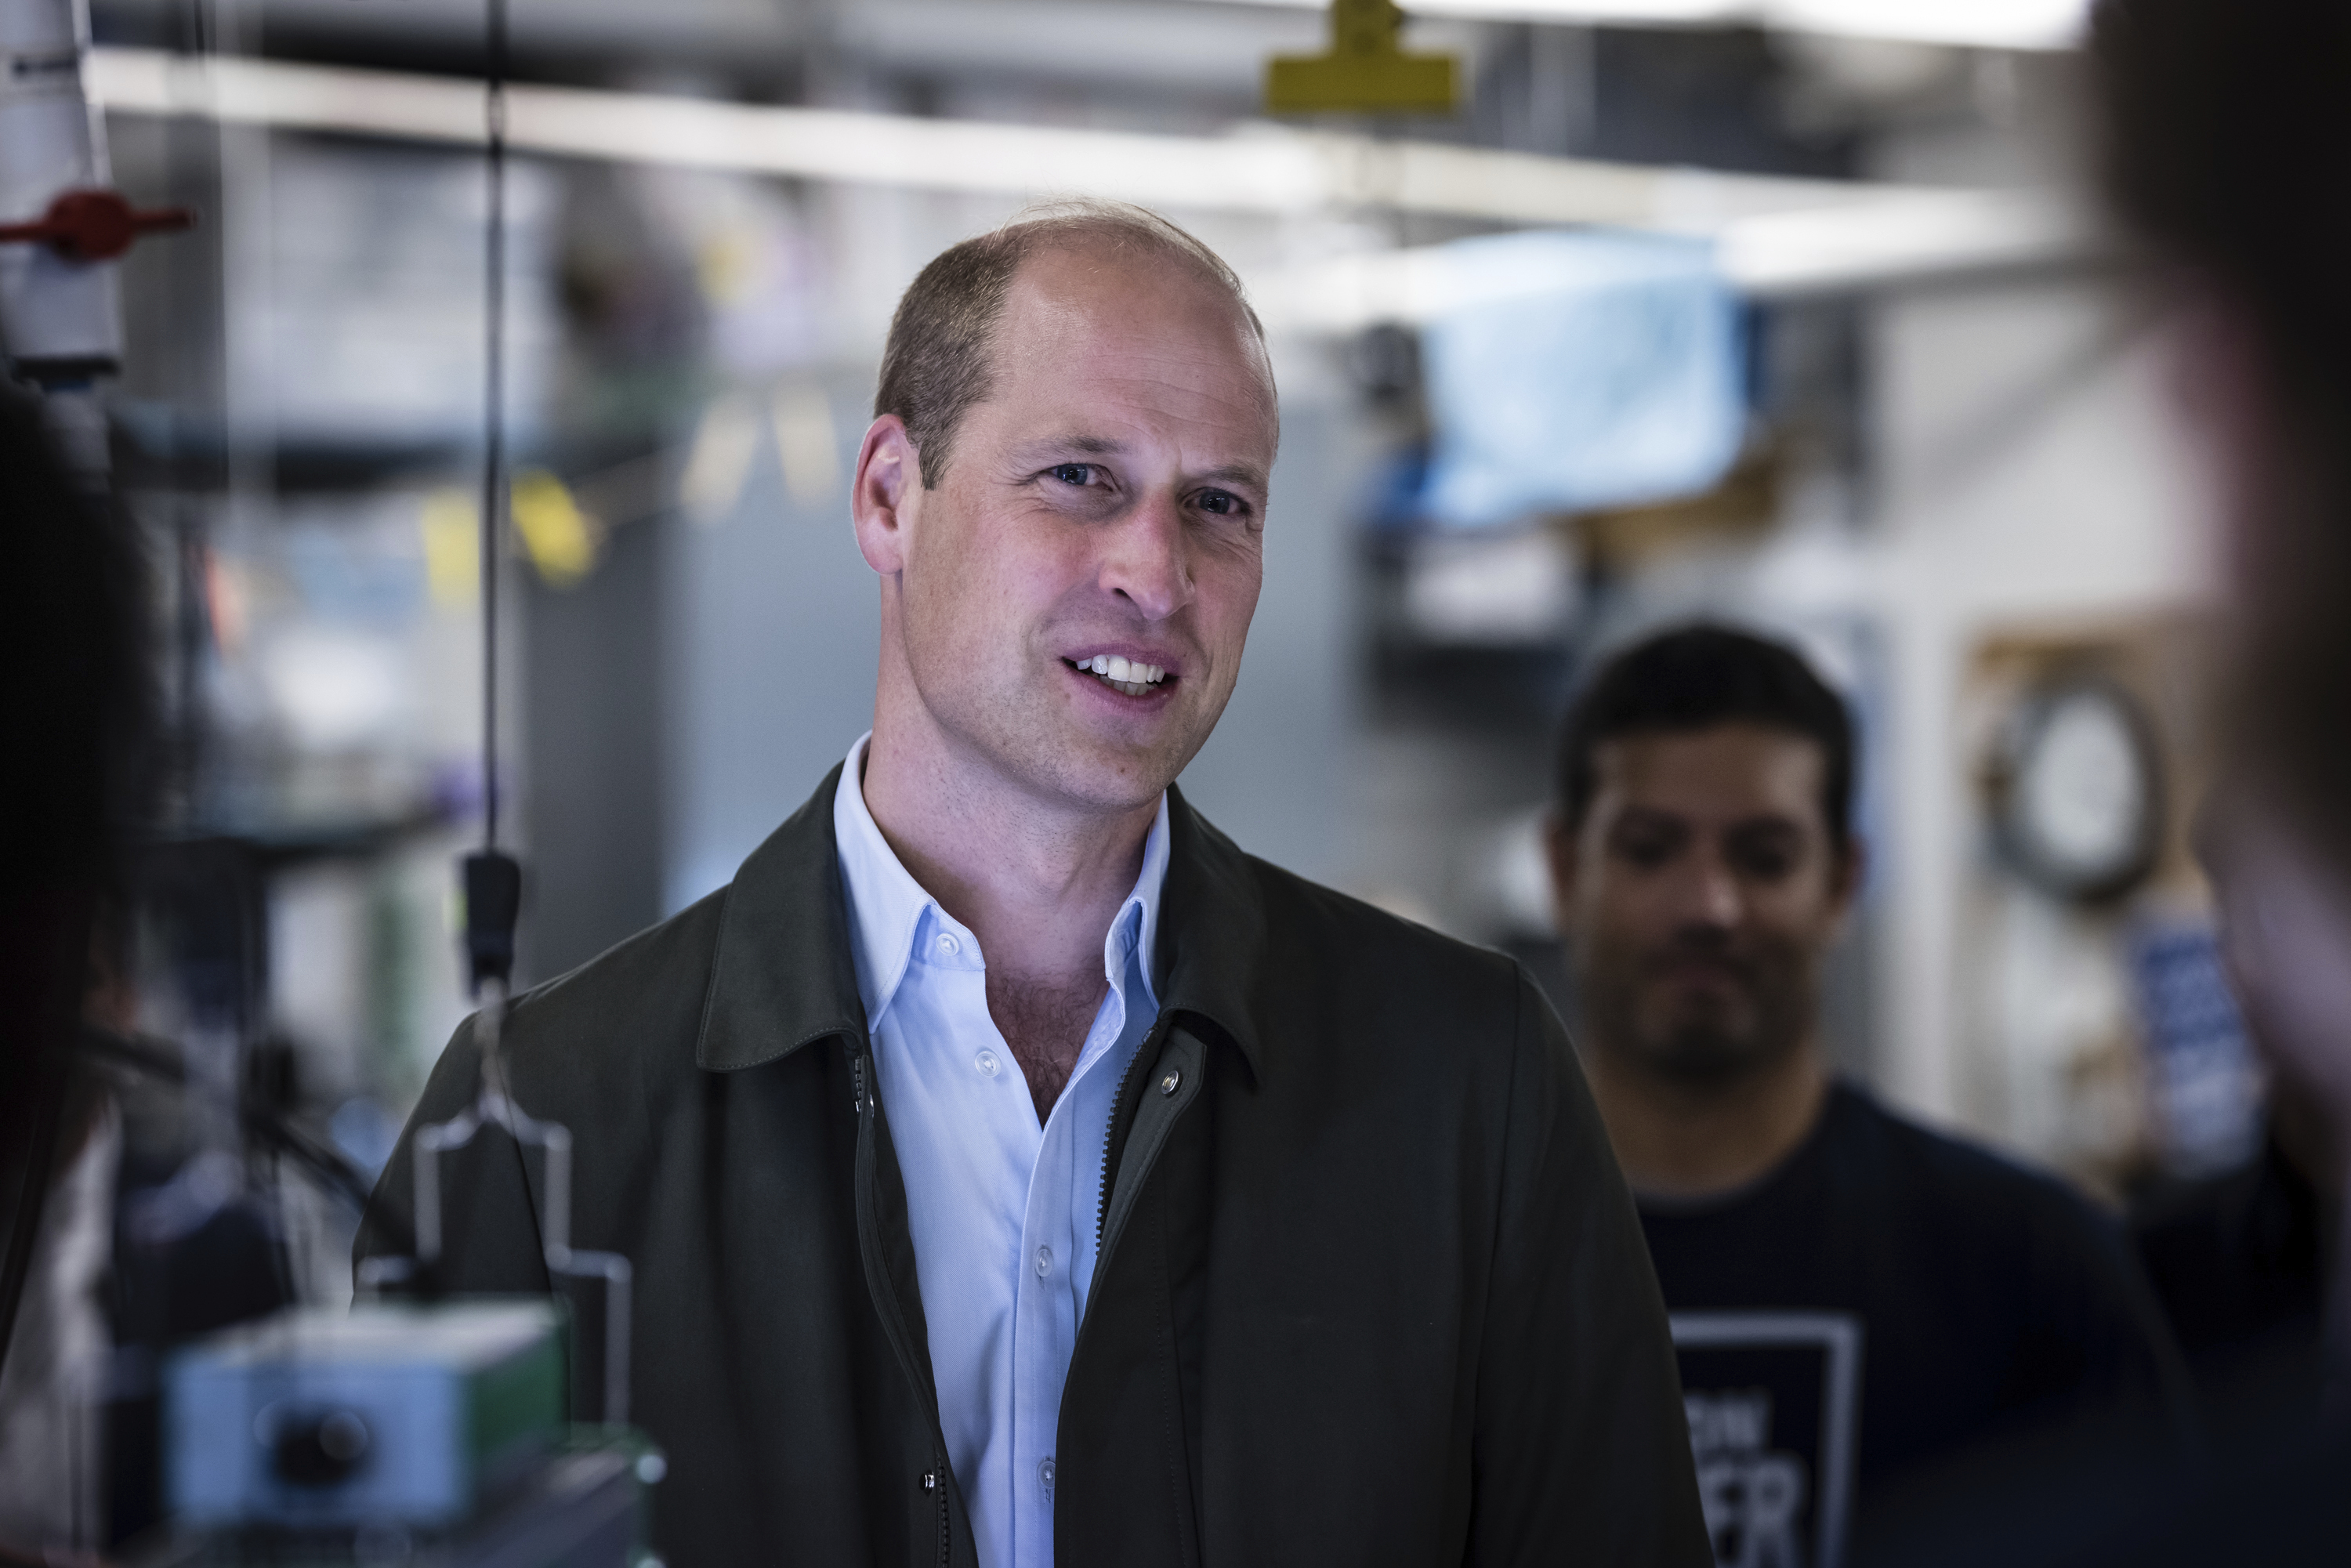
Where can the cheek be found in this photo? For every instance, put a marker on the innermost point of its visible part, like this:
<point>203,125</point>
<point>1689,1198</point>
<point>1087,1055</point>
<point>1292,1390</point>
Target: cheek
<point>1626,913</point>
<point>1226,589</point>
<point>1793,930</point>
<point>980,584</point>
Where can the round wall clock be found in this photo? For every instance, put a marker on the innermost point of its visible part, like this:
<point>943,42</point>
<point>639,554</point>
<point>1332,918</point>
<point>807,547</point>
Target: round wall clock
<point>2080,791</point>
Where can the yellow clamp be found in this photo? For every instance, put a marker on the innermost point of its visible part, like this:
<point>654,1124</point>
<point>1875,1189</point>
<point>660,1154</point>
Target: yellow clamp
<point>1365,73</point>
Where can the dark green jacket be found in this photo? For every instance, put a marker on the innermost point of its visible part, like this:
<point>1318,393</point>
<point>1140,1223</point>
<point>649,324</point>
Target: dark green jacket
<point>1370,1288</point>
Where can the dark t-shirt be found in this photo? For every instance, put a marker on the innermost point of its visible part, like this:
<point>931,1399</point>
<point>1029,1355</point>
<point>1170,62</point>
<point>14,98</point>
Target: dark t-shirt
<point>1884,1300</point>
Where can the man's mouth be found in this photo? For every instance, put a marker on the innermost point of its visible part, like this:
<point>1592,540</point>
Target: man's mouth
<point>1123,676</point>
<point>1702,972</point>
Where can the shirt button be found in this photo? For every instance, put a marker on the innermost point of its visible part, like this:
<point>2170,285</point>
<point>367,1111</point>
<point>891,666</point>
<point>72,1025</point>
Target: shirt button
<point>986,1063</point>
<point>948,945</point>
<point>1044,1261</point>
<point>1045,1472</point>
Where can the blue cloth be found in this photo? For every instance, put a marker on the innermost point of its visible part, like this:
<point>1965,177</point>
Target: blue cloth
<point>1579,370</point>
<point>1002,1210</point>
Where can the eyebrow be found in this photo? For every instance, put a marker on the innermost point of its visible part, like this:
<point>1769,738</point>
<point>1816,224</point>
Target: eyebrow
<point>1246,474</point>
<point>1774,822</point>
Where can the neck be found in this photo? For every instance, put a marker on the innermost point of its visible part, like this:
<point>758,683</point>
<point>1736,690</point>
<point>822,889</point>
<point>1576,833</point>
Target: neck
<point>1679,1139</point>
<point>1038,885</point>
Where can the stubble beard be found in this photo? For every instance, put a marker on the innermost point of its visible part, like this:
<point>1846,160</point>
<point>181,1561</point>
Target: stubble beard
<point>1021,729</point>
<point>1703,1049</point>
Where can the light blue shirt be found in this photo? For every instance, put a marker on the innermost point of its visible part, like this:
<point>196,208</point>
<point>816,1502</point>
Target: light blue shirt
<point>1002,1210</point>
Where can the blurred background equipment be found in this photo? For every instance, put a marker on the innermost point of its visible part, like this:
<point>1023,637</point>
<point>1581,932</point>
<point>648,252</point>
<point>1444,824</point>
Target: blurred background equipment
<point>429,1434</point>
<point>388,1415</point>
<point>61,226</point>
<point>1580,372</point>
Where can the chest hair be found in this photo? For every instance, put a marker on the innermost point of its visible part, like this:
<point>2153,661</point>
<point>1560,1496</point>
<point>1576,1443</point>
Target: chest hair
<point>1045,1023</point>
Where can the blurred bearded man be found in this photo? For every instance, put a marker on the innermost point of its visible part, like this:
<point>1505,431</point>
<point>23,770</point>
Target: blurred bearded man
<point>1858,1301</point>
<point>1014,1171</point>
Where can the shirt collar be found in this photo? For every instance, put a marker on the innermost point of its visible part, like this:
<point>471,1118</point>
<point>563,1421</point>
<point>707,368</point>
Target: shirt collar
<point>886,905</point>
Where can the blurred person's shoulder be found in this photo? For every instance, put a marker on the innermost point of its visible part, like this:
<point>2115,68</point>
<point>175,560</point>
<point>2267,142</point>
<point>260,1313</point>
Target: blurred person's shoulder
<point>1960,1184</point>
<point>2258,1225</point>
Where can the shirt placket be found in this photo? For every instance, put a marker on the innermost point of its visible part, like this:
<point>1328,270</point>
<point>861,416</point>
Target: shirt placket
<point>1045,1304</point>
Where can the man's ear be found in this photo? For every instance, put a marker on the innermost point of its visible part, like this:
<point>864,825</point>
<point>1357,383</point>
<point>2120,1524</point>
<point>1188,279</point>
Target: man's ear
<point>889,477</point>
<point>1560,855</point>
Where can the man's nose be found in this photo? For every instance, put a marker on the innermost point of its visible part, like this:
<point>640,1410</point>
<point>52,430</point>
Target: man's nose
<point>1146,560</point>
<point>1711,896</point>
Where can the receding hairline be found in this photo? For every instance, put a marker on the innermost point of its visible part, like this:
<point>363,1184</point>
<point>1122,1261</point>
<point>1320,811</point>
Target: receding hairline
<point>1072,227</point>
<point>1115,246</point>
<point>941,352</point>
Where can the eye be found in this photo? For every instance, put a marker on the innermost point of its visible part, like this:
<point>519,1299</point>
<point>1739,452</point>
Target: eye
<point>1073,472</point>
<point>1647,845</point>
<point>1223,503</point>
<point>1766,856</point>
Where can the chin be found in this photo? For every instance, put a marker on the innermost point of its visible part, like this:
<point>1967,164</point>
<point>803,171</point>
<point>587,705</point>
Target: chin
<point>1705,1050</point>
<point>1108,777</point>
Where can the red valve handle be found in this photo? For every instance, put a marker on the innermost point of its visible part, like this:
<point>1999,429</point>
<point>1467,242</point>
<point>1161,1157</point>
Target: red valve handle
<point>96,225</point>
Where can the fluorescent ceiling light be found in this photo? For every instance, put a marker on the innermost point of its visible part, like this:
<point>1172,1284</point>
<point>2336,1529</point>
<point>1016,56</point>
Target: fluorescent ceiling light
<point>1776,234</point>
<point>1257,168</point>
<point>1970,24</point>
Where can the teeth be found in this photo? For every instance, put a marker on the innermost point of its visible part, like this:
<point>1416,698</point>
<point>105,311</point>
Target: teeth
<point>1128,675</point>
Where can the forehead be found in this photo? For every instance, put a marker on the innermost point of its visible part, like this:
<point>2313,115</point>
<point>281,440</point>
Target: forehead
<point>1104,334</point>
<point>1721,773</point>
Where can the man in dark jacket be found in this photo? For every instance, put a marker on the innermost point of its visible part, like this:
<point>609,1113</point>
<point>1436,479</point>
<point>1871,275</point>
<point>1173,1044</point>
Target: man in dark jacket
<point>1295,1238</point>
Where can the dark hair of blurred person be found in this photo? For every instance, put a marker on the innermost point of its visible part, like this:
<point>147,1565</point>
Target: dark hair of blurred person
<point>2226,127</point>
<point>74,715</point>
<point>2227,147</point>
<point>74,711</point>
<point>1860,1303</point>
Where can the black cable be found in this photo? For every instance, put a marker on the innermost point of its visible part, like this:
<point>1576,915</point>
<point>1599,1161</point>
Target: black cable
<point>494,423</point>
<point>161,1060</point>
<point>493,880</point>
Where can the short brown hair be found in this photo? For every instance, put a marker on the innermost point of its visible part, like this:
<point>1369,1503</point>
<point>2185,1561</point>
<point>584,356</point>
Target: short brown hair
<point>937,363</point>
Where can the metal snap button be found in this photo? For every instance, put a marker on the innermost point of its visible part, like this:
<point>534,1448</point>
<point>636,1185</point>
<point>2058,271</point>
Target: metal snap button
<point>1173,1081</point>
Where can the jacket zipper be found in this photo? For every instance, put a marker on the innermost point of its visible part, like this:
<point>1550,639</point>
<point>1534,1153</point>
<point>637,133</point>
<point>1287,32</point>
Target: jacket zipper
<point>1119,1117</point>
<point>866,1159</point>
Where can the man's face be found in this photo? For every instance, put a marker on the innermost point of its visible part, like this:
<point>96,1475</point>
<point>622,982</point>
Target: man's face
<point>1698,897</point>
<point>1105,505</point>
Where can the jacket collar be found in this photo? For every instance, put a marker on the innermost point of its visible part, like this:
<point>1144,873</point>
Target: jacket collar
<point>1211,930</point>
<point>784,975</point>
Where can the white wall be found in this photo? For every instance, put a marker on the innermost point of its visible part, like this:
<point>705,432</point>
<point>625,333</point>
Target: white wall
<point>2026,465</point>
